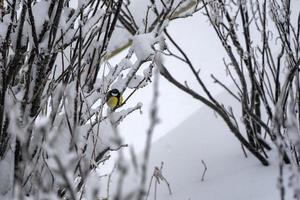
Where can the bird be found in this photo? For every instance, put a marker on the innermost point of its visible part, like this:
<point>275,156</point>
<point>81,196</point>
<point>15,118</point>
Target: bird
<point>114,98</point>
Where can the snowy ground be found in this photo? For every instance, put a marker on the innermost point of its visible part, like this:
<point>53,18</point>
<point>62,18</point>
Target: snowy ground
<point>230,176</point>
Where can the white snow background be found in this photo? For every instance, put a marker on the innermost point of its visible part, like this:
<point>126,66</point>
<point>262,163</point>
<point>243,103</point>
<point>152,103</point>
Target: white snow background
<point>229,175</point>
<point>195,37</point>
<point>189,132</point>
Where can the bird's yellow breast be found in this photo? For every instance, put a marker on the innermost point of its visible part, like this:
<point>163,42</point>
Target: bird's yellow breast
<point>114,102</point>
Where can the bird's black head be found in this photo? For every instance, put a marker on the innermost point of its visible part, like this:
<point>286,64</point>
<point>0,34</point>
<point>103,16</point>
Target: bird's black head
<point>114,93</point>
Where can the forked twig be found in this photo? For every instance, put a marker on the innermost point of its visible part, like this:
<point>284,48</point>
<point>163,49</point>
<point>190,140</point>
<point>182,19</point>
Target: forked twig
<point>158,176</point>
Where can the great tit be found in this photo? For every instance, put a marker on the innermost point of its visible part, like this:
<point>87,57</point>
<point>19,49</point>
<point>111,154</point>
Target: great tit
<point>114,98</point>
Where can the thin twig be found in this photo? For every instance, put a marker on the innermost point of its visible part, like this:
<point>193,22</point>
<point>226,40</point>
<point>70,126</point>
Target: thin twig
<point>204,171</point>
